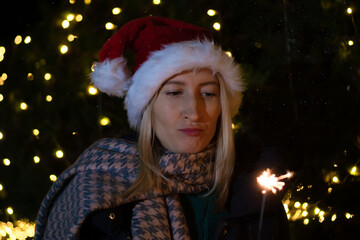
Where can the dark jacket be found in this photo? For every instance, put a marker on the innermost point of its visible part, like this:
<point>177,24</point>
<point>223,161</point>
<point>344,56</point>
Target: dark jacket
<point>243,209</point>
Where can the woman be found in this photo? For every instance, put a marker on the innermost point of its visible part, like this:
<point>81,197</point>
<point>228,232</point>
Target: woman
<point>180,97</point>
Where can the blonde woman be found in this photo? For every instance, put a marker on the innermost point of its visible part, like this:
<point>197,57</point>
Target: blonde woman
<point>173,182</point>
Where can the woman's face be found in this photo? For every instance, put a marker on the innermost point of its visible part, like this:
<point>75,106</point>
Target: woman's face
<point>186,111</point>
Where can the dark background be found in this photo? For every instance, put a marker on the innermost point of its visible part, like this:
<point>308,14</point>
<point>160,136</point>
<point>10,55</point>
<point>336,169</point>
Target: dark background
<point>302,96</point>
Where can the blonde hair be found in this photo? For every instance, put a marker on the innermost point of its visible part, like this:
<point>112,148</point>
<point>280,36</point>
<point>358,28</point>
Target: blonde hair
<point>148,146</point>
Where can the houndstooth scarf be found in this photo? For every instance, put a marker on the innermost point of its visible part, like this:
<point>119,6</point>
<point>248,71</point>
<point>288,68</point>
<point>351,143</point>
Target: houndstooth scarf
<point>104,172</point>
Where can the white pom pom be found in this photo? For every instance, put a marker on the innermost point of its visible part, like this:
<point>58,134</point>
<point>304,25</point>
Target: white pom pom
<point>112,77</point>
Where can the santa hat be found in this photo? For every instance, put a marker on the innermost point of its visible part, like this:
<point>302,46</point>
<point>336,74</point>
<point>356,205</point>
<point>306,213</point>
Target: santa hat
<point>163,47</point>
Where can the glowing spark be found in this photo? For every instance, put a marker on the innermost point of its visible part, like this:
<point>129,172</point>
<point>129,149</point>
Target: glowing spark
<point>269,181</point>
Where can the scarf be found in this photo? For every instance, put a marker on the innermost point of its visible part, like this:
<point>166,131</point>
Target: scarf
<point>104,172</point>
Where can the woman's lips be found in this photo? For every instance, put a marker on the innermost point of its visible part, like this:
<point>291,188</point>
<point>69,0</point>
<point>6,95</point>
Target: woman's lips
<point>191,131</point>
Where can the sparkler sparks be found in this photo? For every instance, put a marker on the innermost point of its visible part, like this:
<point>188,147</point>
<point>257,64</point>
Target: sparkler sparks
<point>269,181</point>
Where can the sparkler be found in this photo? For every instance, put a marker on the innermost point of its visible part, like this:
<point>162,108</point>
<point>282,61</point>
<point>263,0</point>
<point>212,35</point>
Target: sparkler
<point>269,181</point>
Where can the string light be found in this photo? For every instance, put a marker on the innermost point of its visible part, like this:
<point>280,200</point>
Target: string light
<point>30,77</point>
<point>306,221</point>
<point>53,178</point>
<point>109,26</point>
<point>350,42</point>
<point>65,24</point>
<point>1,187</point>
<point>228,53</point>
<point>10,210</point>
<point>333,217</point>
<point>36,159</point>
<point>70,17</point>
<point>18,40</point>
<point>349,10</point>
<point>71,37</point>
<point>21,229</point>
<point>48,98</point>
<point>78,18</point>
<point>354,171</point>
<point>87,2</point>
<point>1,135</point>
<point>349,215</point>
<point>59,154</point>
<point>211,12</point>
<point>104,121</point>
<point>2,50</point>
<point>217,26</point>
<point>92,90</point>
<point>72,1</point>
<point>36,132</point>
<point>63,49</point>
<point>23,106</point>
<point>27,40</point>
<point>297,204</point>
<point>6,162</point>
<point>335,179</point>
<point>116,11</point>
<point>156,2</point>
<point>47,76</point>
<point>1,97</point>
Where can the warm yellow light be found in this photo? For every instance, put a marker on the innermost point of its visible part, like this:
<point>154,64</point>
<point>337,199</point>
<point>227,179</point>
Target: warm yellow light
<point>304,213</point>
<point>333,217</point>
<point>116,11</point>
<point>2,50</point>
<point>1,187</point>
<point>30,77</point>
<point>349,10</point>
<point>1,97</point>
<point>335,179</point>
<point>65,24</point>
<point>329,190</point>
<point>47,76</point>
<point>36,132</point>
<point>4,76</point>
<point>87,2</point>
<point>1,57</point>
<point>71,37</point>
<point>92,90</point>
<point>351,42</point>
<point>36,159</point>
<point>1,135</point>
<point>286,207</point>
<point>335,165</point>
<point>349,215</point>
<point>78,18</point>
<point>23,106</point>
<point>49,98</point>
<point>156,2</point>
<point>306,221</point>
<point>59,154</point>
<point>71,1</point>
<point>228,53</point>
<point>53,177</point>
<point>10,211</point>
<point>217,26</point>
<point>317,210</point>
<point>104,121</point>
<point>321,213</point>
<point>232,125</point>
<point>297,204</point>
<point>18,40</point>
<point>70,17</point>
<point>63,49</point>
<point>109,26</point>
<point>27,40</point>
<point>6,162</point>
<point>211,12</point>
<point>321,219</point>
<point>305,205</point>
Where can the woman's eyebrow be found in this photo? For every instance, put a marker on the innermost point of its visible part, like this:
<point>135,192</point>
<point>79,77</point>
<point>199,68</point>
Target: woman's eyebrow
<point>174,82</point>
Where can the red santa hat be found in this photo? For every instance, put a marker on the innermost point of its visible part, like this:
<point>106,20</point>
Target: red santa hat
<point>163,47</point>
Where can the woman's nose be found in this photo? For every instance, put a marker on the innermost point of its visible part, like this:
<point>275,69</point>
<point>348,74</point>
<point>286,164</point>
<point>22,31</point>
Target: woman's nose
<point>192,108</point>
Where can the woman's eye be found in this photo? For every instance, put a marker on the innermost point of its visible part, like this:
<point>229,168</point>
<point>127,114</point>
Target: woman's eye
<point>173,93</point>
<point>208,94</point>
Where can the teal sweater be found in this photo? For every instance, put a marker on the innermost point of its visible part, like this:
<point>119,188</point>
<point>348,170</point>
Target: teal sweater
<point>201,216</point>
